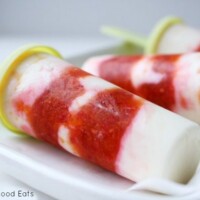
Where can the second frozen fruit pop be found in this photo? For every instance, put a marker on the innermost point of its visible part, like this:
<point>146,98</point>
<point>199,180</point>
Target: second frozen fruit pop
<point>171,35</point>
<point>174,36</point>
<point>44,96</point>
<point>170,81</point>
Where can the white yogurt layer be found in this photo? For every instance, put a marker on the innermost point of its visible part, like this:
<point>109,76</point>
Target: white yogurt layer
<point>179,39</point>
<point>161,144</point>
<point>187,86</point>
<point>64,140</point>
<point>28,82</point>
<point>142,72</point>
<point>92,86</point>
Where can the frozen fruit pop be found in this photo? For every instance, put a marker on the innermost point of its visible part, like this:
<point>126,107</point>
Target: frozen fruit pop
<point>175,38</point>
<point>170,81</point>
<point>171,35</point>
<point>45,97</point>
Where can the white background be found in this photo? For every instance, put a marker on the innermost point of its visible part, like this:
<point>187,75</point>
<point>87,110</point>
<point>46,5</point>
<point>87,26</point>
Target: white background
<point>84,17</point>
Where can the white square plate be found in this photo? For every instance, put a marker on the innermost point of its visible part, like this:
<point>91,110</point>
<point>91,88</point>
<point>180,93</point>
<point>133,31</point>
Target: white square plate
<point>63,176</point>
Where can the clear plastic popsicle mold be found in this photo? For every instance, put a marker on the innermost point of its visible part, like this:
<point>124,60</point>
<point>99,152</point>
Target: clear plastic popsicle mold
<point>9,66</point>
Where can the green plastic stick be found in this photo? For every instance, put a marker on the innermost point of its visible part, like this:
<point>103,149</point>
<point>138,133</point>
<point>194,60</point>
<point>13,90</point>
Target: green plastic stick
<point>124,35</point>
